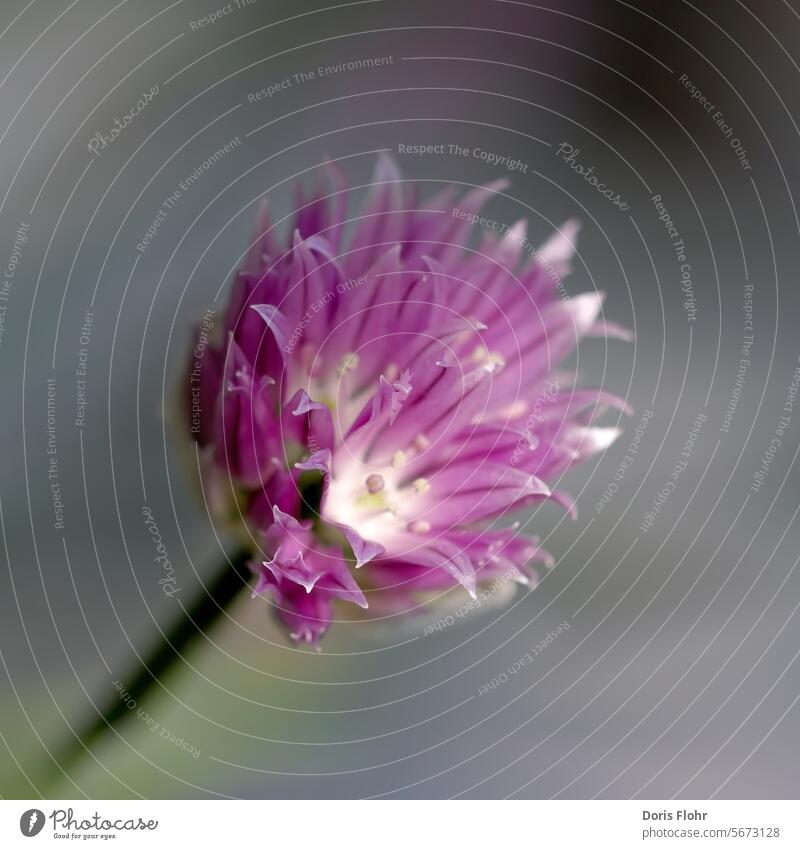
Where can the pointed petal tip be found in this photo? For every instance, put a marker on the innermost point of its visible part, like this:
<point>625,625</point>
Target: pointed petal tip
<point>571,227</point>
<point>364,550</point>
<point>283,519</point>
<point>611,330</point>
<point>318,461</point>
<point>306,405</point>
<point>536,486</point>
<point>386,168</point>
<point>567,502</point>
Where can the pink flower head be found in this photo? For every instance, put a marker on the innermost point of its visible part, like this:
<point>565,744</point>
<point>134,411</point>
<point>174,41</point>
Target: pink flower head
<point>380,403</point>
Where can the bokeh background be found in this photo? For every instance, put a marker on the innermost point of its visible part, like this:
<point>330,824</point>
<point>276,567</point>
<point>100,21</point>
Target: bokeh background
<point>678,675</point>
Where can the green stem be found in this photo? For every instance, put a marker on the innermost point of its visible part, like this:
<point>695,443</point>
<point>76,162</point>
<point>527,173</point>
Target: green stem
<point>215,597</point>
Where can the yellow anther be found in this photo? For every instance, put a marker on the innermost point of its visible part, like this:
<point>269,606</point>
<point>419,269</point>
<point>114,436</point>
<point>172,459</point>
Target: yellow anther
<point>421,442</point>
<point>421,486</point>
<point>481,354</point>
<point>349,362</point>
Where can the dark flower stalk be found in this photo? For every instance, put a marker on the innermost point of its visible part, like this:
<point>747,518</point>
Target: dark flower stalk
<point>215,597</point>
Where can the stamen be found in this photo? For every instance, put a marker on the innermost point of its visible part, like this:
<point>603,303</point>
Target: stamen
<point>349,362</point>
<point>374,483</point>
<point>421,486</point>
<point>421,442</point>
<point>481,354</point>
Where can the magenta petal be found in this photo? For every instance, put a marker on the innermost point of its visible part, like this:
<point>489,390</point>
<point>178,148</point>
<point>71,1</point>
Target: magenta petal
<point>276,322</point>
<point>364,550</point>
<point>382,220</point>
<point>401,386</point>
<point>319,461</point>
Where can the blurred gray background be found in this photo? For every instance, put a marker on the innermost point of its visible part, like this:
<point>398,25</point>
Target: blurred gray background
<point>678,675</point>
